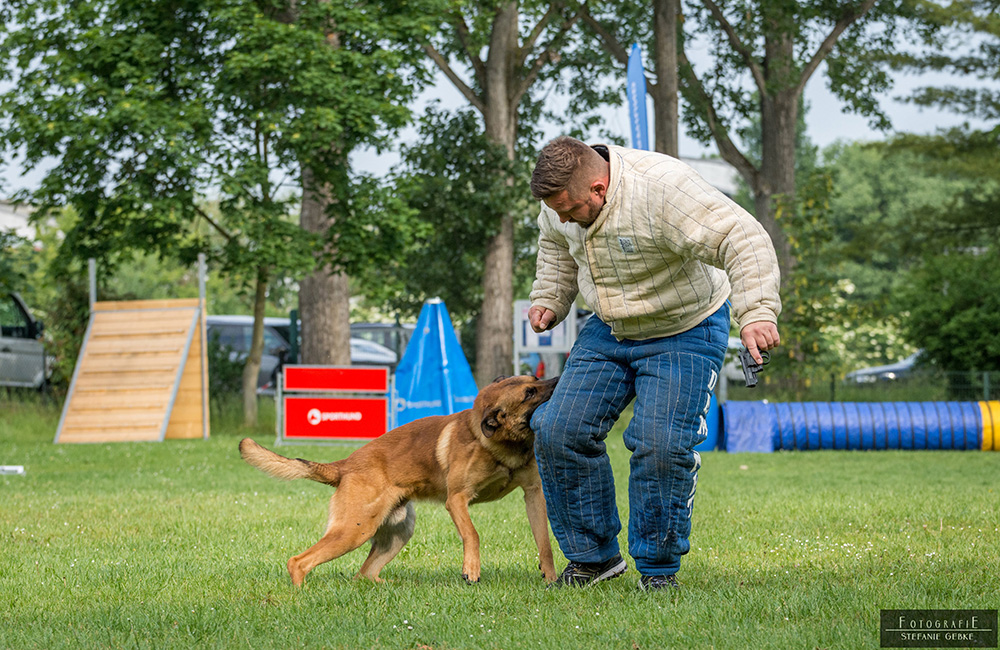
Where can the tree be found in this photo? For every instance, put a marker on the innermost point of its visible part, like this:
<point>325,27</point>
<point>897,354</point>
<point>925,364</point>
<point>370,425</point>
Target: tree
<point>966,43</point>
<point>458,185</point>
<point>617,24</point>
<point>949,295</point>
<point>516,54</point>
<point>150,109</point>
<point>953,302</point>
<point>764,55</point>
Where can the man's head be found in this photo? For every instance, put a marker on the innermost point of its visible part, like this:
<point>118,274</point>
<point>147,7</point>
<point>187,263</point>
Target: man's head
<point>571,178</point>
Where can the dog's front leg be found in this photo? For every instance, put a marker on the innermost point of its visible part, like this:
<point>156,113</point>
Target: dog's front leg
<point>458,507</point>
<point>538,519</point>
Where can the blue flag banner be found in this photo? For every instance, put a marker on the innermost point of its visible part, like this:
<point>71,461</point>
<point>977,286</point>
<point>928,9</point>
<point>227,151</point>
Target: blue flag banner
<point>636,92</point>
<point>433,377</point>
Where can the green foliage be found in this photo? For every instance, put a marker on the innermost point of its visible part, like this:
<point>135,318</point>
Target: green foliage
<point>809,298</point>
<point>226,376</point>
<point>949,295</point>
<point>954,301</point>
<point>147,109</point>
<point>857,75</point>
<point>15,260</point>
<point>457,184</point>
<point>889,205</point>
<point>964,41</point>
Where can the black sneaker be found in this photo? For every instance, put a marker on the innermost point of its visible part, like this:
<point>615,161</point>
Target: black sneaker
<point>658,583</point>
<point>580,574</point>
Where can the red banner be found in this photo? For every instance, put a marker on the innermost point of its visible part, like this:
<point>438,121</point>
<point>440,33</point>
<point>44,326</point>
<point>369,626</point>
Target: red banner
<point>357,379</point>
<point>340,418</point>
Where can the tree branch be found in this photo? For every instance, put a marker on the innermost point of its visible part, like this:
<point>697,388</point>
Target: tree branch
<point>826,46</point>
<point>727,149</point>
<point>536,69</point>
<point>219,229</point>
<point>613,46</point>
<point>466,91</point>
<point>478,67</point>
<point>737,44</point>
<point>536,32</point>
<point>548,54</point>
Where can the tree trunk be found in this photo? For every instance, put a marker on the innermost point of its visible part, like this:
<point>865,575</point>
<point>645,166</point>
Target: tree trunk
<point>779,114</point>
<point>664,91</point>
<point>495,328</point>
<point>251,369</point>
<point>324,296</point>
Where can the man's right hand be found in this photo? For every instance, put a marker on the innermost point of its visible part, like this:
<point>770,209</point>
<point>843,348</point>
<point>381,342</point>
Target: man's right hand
<point>541,319</point>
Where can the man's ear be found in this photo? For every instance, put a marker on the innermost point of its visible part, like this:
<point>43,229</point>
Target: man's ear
<point>600,187</point>
<point>492,422</point>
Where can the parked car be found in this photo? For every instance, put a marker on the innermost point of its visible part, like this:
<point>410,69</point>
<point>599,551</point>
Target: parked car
<point>23,362</point>
<point>235,332</point>
<point>388,335</point>
<point>888,372</point>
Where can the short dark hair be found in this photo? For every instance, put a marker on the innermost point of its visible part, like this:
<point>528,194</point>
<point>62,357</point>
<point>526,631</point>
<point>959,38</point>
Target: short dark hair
<point>558,162</point>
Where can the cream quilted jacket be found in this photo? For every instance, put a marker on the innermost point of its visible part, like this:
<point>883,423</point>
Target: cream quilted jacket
<point>665,252</point>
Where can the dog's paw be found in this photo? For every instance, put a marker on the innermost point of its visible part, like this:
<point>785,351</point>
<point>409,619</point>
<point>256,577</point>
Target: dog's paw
<point>470,580</point>
<point>548,575</point>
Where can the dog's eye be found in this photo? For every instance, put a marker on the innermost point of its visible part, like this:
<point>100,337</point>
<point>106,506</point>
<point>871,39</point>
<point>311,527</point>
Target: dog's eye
<point>528,394</point>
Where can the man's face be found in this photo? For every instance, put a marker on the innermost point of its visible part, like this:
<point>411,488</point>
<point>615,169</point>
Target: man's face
<point>581,211</point>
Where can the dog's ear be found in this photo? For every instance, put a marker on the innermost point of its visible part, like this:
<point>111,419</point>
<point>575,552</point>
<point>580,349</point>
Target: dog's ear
<point>500,378</point>
<point>492,422</point>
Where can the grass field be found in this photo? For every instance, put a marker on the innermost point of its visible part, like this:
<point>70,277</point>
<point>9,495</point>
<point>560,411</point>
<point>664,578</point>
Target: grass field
<point>181,545</point>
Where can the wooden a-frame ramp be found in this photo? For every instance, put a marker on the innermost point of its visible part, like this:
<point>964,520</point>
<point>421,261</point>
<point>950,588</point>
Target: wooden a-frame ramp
<point>142,374</point>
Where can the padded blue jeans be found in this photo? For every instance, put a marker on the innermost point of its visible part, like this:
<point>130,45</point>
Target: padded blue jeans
<point>671,379</point>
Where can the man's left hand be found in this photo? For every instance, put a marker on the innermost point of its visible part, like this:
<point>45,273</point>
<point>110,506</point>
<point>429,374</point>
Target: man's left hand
<point>762,335</point>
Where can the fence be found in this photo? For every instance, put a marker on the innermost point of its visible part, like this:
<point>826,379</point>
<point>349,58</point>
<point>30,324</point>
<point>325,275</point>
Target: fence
<point>915,386</point>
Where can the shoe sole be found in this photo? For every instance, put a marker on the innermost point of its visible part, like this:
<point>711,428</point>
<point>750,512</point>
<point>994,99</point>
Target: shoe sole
<point>613,572</point>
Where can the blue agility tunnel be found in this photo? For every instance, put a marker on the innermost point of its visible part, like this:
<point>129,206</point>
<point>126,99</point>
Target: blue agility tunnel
<point>764,427</point>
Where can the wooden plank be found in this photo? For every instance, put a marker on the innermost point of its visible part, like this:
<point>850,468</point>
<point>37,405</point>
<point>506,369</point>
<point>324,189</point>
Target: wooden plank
<point>135,379</point>
<point>121,400</point>
<point>145,316</point>
<point>122,363</point>
<point>133,345</point>
<point>135,305</point>
<point>153,330</point>
<point>108,420</point>
<point>101,435</point>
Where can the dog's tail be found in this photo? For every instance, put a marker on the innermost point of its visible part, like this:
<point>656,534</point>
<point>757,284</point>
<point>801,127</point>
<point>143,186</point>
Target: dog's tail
<point>287,468</point>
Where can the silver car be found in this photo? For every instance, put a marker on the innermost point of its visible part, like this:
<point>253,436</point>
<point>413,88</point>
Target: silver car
<point>234,332</point>
<point>23,362</point>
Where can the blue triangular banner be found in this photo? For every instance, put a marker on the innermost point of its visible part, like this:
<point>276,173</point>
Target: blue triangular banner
<point>433,377</point>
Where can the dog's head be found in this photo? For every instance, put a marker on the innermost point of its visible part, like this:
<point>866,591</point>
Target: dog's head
<point>505,406</point>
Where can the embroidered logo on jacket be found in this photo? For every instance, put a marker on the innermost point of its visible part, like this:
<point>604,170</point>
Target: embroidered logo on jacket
<point>626,244</point>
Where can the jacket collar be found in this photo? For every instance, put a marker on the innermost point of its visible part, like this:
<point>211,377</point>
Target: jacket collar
<point>613,195</point>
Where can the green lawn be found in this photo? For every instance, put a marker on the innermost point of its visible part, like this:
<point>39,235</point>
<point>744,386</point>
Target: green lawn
<point>180,544</point>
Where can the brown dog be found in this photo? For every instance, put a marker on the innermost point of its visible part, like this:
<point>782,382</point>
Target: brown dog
<point>477,455</point>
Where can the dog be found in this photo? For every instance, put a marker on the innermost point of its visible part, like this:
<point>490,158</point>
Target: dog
<point>477,455</point>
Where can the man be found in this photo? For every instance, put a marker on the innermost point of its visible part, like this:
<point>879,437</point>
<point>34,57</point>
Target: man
<point>657,254</point>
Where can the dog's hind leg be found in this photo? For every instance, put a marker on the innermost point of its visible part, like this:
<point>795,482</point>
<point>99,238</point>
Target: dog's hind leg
<point>356,512</point>
<point>388,541</point>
